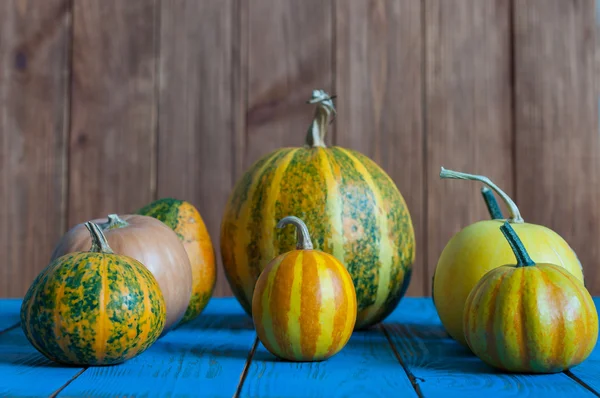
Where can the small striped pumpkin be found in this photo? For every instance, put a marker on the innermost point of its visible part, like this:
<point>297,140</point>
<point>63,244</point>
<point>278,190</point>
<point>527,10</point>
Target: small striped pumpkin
<point>93,308</point>
<point>532,318</point>
<point>304,304</point>
<point>345,199</point>
<point>183,218</point>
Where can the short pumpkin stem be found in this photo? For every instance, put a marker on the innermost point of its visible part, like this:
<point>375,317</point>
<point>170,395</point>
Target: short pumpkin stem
<point>523,259</point>
<point>515,214</point>
<point>492,204</point>
<point>114,221</point>
<point>302,235</point>
<point>99,242</point>
<point>318,127</point>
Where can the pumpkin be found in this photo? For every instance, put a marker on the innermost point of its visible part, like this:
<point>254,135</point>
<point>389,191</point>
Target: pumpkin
<point>481,247</point>
<point>93,307</point>
<point>183,218</point>
<point>150,242</point>
<point>528,317</point>
<point>344,198</point>
<point>304,305</point>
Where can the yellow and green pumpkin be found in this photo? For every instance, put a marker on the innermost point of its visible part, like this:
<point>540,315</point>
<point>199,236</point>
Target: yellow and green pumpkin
<point>528,317</point>
<point>304,304</point>
<point>183,218</point>
<point>481,247</point>
<point>344,198</point>
<point>93,308</point>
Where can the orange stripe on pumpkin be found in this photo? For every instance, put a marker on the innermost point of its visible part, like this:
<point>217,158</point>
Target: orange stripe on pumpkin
<point>310,305</point>
<point>280,308</point>
<point>342,307</point>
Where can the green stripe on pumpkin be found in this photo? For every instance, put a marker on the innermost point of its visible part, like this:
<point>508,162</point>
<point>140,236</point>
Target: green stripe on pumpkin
<point>165,210</point>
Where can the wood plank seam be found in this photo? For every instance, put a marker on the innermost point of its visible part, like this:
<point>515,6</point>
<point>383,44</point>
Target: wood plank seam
<point>333,126</point>
<point>513,93</point>
<point>246,368</point>
<point>427,286</point>
<point>67,119</point>
<point>12,327</point>
<point>413,379</point>
<point>582,383</point>
<point>156,114</point>
<point>72,379</point>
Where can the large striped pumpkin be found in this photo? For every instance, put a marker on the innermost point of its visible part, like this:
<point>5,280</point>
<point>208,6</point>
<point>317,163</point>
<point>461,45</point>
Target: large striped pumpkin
<point>183,218</point>
<point>534,318</point>
<point>304,304</point>
<point>93,308</point>
<point>348,202</point>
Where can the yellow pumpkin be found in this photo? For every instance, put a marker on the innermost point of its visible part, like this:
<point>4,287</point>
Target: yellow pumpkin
<point>481,247</point>
<point>304,303</point>
<point>528,317</point>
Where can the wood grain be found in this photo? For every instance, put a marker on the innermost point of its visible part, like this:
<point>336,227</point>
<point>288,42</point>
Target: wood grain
<point>113,119</point>
<point>444,367</point>
<point>27,373</point>
<point>289,55</point>
<point>202,358</point>
<point>34,104</point>
<point>379,84</point>
<point>589,370</point>
<point>556,111</point>
<point>468,111</point>
<point>366,366</point>
<point>199,102</point>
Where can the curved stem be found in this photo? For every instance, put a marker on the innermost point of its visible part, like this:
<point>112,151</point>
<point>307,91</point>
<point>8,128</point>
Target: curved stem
<point>515,215</point>
<point>99,242</point>
<point>114,221</point>
<point>318,128</point>
<point>302,235</point>
<point>492,204</point>
<point>523,259</point>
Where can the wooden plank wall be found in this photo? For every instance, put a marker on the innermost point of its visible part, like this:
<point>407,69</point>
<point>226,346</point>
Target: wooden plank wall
<point>106,105</point>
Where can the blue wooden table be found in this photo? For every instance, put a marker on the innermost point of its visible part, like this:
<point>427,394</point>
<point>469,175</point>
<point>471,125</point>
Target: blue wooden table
<point>218,355</point>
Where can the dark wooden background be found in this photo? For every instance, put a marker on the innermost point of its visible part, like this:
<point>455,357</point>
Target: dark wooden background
<point>106,105</point>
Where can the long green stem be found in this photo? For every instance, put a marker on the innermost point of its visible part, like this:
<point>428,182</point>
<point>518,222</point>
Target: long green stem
<point>492,204</point>
<point>99,242</point>
<point>114,221</point>
<point>515,215</point>
<point>523,259</point>
<point>318,128</point>
<point>302,235</point>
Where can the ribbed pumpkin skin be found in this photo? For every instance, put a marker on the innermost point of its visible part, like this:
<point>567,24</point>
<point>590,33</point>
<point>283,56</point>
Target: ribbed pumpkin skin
<point>93,309</point>
<point>533,319</point>
<point>183,218</point>
<point>304,306</point>
<point>479,248</point>
<point>345,199</point>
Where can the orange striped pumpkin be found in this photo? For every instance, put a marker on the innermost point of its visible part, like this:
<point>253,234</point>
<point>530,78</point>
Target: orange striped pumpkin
<point>304,303</point>
<point>533,318</point>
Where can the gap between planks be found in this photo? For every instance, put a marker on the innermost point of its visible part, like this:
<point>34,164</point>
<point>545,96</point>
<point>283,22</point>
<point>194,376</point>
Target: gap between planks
<point>582,383</point>
<point>246,367</point>
<point>8,329</point>
<point>413,379</point>
<point>72,379</point>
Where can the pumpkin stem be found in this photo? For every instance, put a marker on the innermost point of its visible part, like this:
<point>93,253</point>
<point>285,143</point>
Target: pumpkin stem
<point>515,215</point>
<point>523,259</point>
<point>318,127</point>
<point>114,221</point>
<point>302,235</point>
<point>492,204</point>
<point>99,242</point>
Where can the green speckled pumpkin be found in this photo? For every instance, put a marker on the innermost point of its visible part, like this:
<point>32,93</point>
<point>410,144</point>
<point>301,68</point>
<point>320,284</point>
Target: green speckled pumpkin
<point>93,308</point>
<point>347,201</point>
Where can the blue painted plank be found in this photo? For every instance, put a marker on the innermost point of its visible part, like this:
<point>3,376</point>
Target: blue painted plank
<point>204,358</point>
<point>589,370</point>
<point>445,368</point>
<point>9,313</point>
<point>24,372</point>
<point>366,367</point>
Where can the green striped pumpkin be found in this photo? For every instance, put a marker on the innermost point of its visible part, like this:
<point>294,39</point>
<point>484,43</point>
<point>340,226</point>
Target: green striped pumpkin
<point>347,201</point>
<point>93,308</point>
